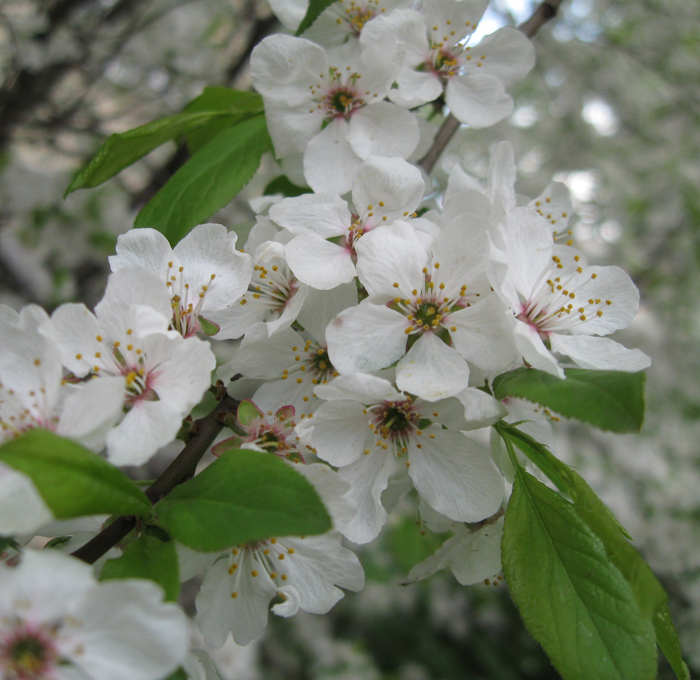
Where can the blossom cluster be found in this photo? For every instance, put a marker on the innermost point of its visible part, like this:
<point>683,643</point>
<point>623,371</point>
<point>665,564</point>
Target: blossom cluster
<point>368,318</point>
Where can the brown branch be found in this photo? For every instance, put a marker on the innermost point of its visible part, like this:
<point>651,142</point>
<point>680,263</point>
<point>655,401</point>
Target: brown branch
<point>179,471</point>
<point>544,13</point>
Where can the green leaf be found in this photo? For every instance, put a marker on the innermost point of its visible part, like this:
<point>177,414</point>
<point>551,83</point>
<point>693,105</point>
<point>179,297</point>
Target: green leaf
<point>242,496</point>
<point>538,453</point>
<point>667,639</point>
<point>240,106</point>
<point>147,557</point>
<point>122,149</point>
<point>573,600</point>
<point>72,480</point>
<point>648,592</point>
<point>179,674</point>
<point>315,8</point>
<point>208,181</point>
<point>609,400</point>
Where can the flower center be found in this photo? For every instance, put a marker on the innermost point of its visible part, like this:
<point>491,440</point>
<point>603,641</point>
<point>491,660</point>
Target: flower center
<point>394,423</point>
<point>27,655</point>
<point>186,303</point>
<point>560,303</point>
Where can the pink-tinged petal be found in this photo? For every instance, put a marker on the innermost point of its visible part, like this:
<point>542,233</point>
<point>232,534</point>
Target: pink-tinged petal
<point>368,477</point>
<point>455,475</point>
<point>244,615</point>
<point>290,312</point>
<point>509,55</point>
<point>319,263</point>
<point>390,261</point>
<point>127,632</point>
<point>478,100</point>
<point>367,389</point>
<point>602,354</point>
<point>339,432</point>
<point>329,161</point>
<point>388,188</point>
<point>366,338</point>
<point>432,370</point>
<point>383,129</point>
<point>481,336</point>
<point>283,68</point>
<point>325,215</point>
<point>145,248</point>
<point>291,128</point>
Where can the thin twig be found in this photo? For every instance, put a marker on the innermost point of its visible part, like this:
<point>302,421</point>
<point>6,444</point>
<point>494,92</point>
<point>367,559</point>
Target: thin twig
<point>180,470</point>
<point>544,13</point>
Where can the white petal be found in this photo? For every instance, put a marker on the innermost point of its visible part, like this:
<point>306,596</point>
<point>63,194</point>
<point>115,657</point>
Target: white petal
<point>479,101</point>
<point>292,127</point>
<point>321,307</point>
<point>432,370</point>
<point>533,350</point>
<point>94,408</point>
<point>472,555</point>
<point>245,615</point>
<point>209,250</point>
<point>325,215</point>
<point>480,409</point>
<point>416,88</point>
<point>391,186</point>
<point>602,354</point>
<point>329,161</point>
<point>127,632</point>
<point>354,331</point>
<point>481,336</point>
<point>290,605</point>
<point>455,475</point>
<point>554,204</point>
<point>319,263</point>
<point>368,477</point>
<point>145,248</point>
<point>339,432</point>
<point>391,255</point>
<point>383,129</point>
<point>509,55</point>
<point>22,509</point>
<point>502,176</point>
<point>283,67</point>
<point>367,389</point>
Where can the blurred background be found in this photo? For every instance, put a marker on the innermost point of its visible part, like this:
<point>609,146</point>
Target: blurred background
<point>612,108</point>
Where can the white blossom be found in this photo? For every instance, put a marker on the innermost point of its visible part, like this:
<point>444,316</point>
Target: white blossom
<point>57,621</point>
